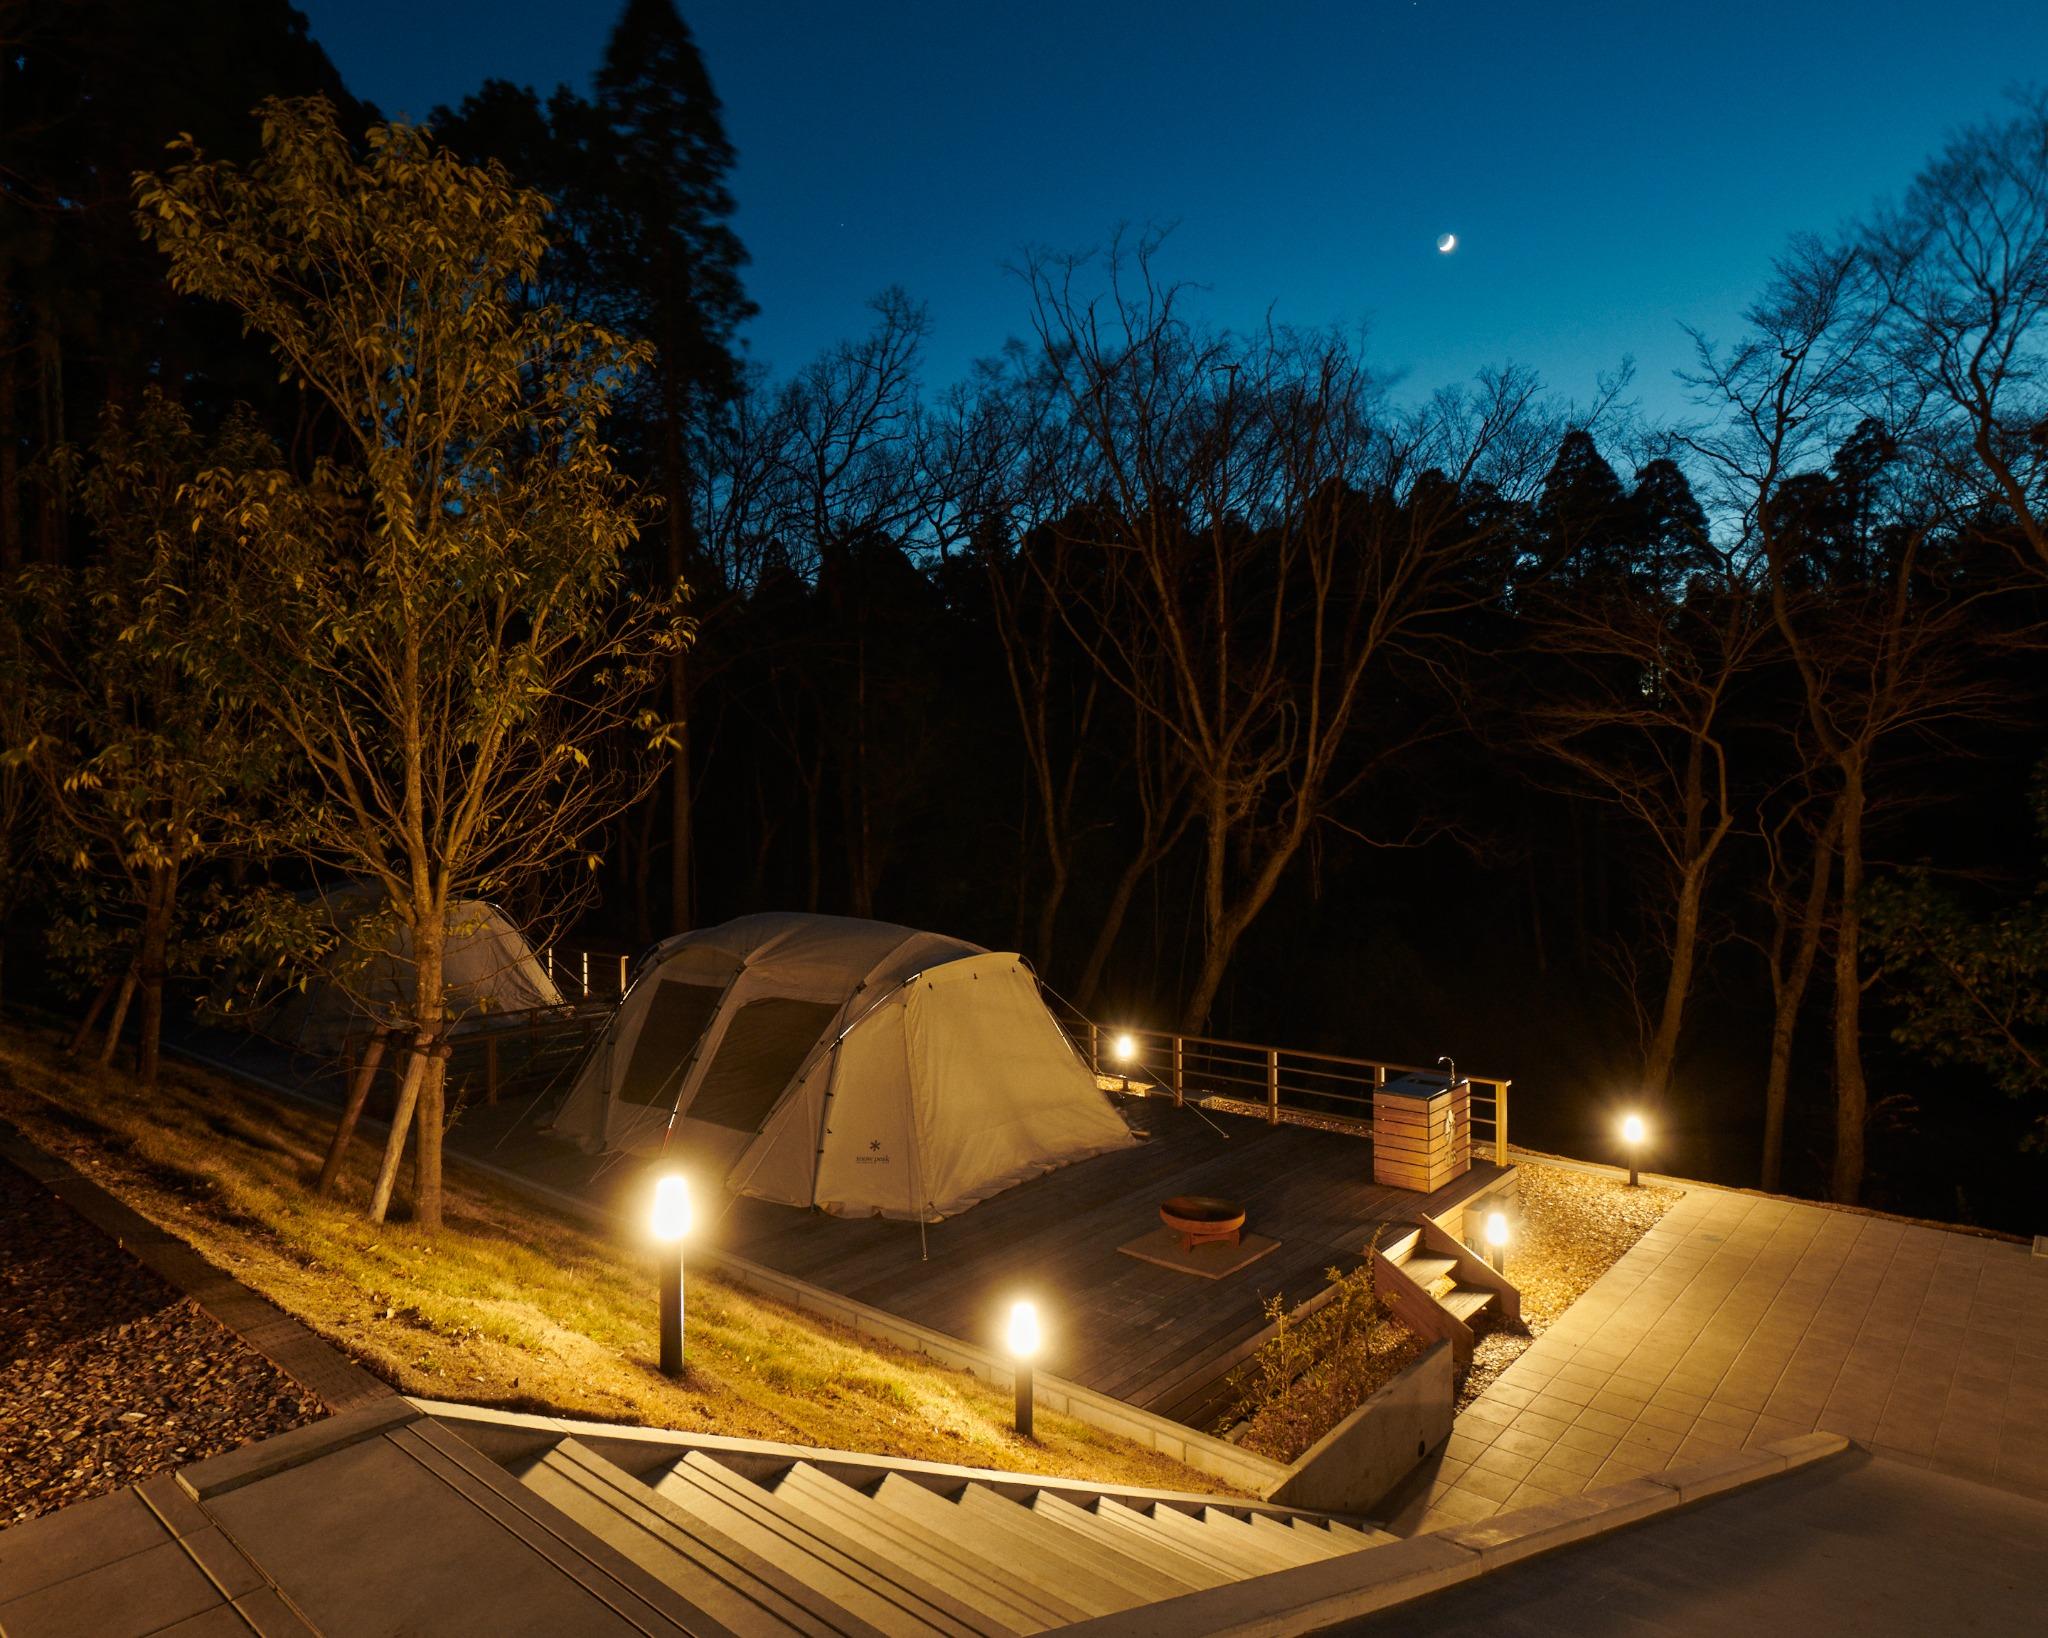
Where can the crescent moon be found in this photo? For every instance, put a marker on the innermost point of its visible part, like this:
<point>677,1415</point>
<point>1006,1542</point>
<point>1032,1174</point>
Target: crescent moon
<point>1446,243</point>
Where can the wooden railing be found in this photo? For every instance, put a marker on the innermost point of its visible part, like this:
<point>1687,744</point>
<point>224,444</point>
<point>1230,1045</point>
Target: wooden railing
<point>1282,1083</point>
<point>502,1054</point>
<point>584,973</point>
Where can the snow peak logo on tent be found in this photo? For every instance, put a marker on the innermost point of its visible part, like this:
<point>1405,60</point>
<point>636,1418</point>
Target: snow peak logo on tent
<point>874,1156</point>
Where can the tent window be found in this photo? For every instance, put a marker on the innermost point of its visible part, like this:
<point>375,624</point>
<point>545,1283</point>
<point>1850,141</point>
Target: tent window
<point>764,1045</point>
<point>676,1016</point>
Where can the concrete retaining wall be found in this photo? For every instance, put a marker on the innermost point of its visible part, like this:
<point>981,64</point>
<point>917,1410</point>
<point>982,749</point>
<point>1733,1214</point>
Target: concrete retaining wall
<point>1374,1448</point>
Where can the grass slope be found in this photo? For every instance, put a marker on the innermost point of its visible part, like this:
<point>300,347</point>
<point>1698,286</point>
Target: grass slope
<point>511,1306</point>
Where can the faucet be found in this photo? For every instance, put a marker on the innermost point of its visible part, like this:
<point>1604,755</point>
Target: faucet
<point>1450,1067</point>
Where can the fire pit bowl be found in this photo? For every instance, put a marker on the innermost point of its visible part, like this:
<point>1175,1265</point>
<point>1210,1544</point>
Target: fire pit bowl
<point>1200,1219</point>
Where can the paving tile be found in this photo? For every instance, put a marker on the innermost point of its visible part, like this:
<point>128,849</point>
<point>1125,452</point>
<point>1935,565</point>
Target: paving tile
<point>1496,1487</point>
<point>1508,1463</point>
<point>1544,1427</point>
<point>1588,1439</point>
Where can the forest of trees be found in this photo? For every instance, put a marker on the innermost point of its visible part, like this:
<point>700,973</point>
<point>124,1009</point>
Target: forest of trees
<point>1694,767</point>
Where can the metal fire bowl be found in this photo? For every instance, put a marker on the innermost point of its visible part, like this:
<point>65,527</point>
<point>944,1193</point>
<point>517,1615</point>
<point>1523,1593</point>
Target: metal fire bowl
<point>1199,1217</point>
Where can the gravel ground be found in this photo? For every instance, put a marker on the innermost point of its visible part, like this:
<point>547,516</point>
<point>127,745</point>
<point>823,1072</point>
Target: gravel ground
<point>1572,1228</point>
<point>107,1374</point>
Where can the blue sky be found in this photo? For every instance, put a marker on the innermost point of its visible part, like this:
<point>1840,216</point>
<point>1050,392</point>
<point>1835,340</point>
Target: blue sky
<point>1612,171</point>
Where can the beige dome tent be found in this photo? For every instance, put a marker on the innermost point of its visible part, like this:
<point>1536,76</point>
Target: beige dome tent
<point>855,1066</point>
<point>487,968</point>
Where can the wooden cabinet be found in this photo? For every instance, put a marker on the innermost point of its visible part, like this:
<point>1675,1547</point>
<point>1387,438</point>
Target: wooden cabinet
<point>1421,1132</point>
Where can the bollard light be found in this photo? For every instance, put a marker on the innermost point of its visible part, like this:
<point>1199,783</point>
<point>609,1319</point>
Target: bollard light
<point>1023,1340</point>
<point>670,1225</point>
<point>1632,1135</point>
<point>1124,1048</point>
<point>1497,1240</point>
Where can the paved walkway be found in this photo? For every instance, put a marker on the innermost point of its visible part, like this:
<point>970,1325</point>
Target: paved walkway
<point>1741,1319</point>
<point>1859,1544</point>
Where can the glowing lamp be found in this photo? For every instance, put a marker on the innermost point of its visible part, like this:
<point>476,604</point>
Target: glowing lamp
<point>1124,1048</point>
<point>1023,1339</point>
<point>1497,1240</point>
<point>671,1219</point>
<point>670,1225</point>
<point>1632,1135</point>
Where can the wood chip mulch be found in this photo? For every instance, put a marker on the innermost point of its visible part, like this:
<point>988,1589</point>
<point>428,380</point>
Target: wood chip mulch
<point>1571,1228</point>
<point>107,1374</point>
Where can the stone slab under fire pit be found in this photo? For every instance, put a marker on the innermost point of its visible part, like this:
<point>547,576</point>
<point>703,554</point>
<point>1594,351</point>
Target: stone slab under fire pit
<point>1211,1260</point>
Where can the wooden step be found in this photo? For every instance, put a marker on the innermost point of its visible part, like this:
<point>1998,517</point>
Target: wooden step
<point>1467,1301</point>
<point>1425,1270</point>
<point>853,1576</point>
<point>935,1556</point>
<point>1011,1537</point>
<point>732,1584</point>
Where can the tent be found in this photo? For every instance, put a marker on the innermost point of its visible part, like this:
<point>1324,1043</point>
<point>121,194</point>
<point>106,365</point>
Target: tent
<point>859,1067</point>
<point>487,968</point>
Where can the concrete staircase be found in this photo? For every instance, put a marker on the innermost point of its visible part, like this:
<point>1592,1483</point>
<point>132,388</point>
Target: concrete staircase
<point>800,1550</point>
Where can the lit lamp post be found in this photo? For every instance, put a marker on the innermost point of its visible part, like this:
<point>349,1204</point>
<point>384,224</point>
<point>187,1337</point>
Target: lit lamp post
<point>671,1223</point>
<point>1632,1135</point>
<point>1124,1049</point>
<point>1023,1341</point>
<point>1497,1240</point>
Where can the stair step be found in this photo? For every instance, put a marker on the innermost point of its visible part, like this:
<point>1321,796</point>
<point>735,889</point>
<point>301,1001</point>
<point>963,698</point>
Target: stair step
<point>878,1593</point>
<point>1152,1567</point>
<point>935,1556</point>
<point>1308,1544</point>
<point>1425,1271</point>
<point>1232,1549</point>
<point>1467,1301</point>
<point>1352,1536</point>
<point>1014,1539</point>
<point>726,1580</point>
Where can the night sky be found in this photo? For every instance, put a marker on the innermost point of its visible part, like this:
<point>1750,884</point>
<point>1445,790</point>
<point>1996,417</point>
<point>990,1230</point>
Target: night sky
<point>1611,171</point>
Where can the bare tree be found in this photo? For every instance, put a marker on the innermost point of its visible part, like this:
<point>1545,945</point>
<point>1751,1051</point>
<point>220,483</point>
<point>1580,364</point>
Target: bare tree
<point>1654,655</point>
<point>1271,539</point>
<point>1872,619</point>
<point>1961,267</point>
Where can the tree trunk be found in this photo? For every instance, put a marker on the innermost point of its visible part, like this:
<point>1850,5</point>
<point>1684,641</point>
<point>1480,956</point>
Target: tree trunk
<point>127,994</point>
<point>352,1110</point>
<point>401,1124</point>
<point>92,1016</point>
<point>1108,928</point>
<point>152,964</point>
<point>1852,1094</point>
<point>1791,996</point>
<point>1225,923</point>
<point>1685,932</point>
<point>433,1120</point>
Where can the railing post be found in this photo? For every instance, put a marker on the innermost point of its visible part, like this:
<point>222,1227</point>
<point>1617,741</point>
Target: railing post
<point>490,1068</point>
<point>622,975</point>
<point>1095,1046</point>
<point>1272,1086</point>
<point>1179,1090</point>
<point>1500,1122</point>
<point>548,956</point>
<point>586,975</point>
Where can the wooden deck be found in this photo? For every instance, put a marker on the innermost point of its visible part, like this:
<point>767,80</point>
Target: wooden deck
<point>1153,1336</point>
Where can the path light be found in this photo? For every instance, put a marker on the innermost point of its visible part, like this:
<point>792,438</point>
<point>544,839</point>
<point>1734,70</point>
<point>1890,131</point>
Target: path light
<point>1497,1240</point>
<point>1023,1340</point>
<point>1124,1048</point>
<point>1632,1135</point>
<point>670,1226</point>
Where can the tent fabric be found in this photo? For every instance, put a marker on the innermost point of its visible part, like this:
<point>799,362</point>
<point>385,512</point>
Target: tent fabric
<point>856,1066</point>
<point>487,967</point>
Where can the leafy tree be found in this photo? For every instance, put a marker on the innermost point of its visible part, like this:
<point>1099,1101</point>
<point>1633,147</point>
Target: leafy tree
<point>437,618</point>
<point>137,729</point>
<point>1973,985</point>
